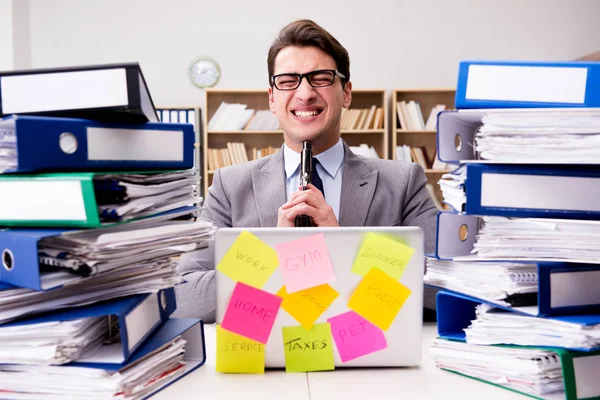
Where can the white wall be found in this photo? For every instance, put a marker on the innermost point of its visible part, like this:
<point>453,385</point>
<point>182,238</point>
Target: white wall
<point>21,35</point>
<point>6,37</point>
<point>392,43</point>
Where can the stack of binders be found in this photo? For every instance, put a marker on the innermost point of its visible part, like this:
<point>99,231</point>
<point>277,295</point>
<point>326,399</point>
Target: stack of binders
<point>98,200</point>
<point>517,260</point>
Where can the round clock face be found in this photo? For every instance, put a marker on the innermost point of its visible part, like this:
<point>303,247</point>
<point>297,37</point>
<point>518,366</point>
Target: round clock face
<point>204,72</point>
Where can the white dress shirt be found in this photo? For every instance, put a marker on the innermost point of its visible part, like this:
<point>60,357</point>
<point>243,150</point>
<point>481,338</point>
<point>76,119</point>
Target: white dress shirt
<point>329,169</point>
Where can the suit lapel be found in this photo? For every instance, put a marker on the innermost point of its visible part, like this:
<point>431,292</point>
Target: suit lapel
<point>269,189</point>
<point>358,187</point>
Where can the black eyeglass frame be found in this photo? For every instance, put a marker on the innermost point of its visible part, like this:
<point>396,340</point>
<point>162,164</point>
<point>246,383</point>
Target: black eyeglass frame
<point>308,75</point>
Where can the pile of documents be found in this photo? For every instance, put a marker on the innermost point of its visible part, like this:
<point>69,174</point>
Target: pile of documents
<point>517,261</point>
<point>507,283</point>
<point>102,204</point>
<point>554,136</point>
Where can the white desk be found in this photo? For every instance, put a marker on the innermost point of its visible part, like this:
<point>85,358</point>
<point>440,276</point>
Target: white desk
<point>424,382</point>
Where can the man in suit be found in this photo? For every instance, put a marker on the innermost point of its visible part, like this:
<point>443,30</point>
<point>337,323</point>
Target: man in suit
<point>309,78</point>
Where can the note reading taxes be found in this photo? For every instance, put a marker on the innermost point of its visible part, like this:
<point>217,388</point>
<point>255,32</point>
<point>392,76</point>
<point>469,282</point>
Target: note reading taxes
<point>249,260</point>
<point>384,253</point>
<point>239,355</point>
<point>354,336</point>
<point>378,298</point>
<point>251,312</point>
<point>307,305</point>
<point>308,350</point>
<point>305,263</point>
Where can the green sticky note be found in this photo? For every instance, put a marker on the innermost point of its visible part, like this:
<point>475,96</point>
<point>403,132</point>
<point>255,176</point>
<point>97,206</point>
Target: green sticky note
<point>380,251</point>
<point>308,350</point>
<point>237,354</point>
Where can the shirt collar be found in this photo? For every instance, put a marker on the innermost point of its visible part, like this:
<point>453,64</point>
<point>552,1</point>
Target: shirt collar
<point>331,159</point>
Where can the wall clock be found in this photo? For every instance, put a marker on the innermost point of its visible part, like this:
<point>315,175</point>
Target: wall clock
<point>204,72</point>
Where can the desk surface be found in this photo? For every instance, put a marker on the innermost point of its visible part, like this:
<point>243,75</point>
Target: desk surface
<point>423,382</point>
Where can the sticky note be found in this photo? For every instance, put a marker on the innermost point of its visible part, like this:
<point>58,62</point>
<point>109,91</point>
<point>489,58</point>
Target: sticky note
<point>382,252</point>
<point>354,336</point>
<point>251,312</point>
<point>307,305</point>
<point>378,298</point>
<point>305,263</point>
<point>249,260</point>
<point>239,355</point>
<point>308,350</point>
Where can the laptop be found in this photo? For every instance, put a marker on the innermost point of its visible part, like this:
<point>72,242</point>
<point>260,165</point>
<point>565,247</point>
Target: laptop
<point>403,335</point>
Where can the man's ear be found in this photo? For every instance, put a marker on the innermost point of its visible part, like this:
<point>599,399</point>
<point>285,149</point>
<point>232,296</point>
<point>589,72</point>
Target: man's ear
<point>347,95</point>
<point>271,101</point>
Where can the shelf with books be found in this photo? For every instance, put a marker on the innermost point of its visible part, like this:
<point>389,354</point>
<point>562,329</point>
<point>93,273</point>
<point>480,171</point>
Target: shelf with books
<point>188,115</point>
<point>413,133</point>
<point>242,116</point>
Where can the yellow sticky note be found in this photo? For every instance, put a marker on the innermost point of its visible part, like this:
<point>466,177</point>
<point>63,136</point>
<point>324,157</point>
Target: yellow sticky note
<point>308,350</point>
<point>307,305</point>
<point>249,260</point>
<point>237,354</point>
<point>384,253</point>
<point>378,298</point>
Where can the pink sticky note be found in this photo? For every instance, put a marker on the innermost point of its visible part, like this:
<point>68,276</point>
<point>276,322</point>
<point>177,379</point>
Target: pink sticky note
<point>251,312</point>
<point>354,336</point>
<point>305,263</point>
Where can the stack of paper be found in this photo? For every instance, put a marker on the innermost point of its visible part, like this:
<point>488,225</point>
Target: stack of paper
<point>142,277</point>
<point>503,282</point>
<point>135,381</point>
<point>129,196</point>
<point>532,371</point>
<point>452,187</point>
<point>496,326</point>
<point>51,342</point>
<point>98,251</point>
<point>554,136</point>
<point>8,147</point>
<point>538,239</point>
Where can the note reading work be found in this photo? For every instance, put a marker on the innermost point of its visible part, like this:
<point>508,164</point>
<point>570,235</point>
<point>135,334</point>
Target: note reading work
<point>308,350</point>
<point>384,253</point>
<point>354,336</point>
<point>378,298</point>
<point>249,260</point>
<point>305,263</point>
<point>251,312</point>
<point>237,354</point>
<point>307,305</point>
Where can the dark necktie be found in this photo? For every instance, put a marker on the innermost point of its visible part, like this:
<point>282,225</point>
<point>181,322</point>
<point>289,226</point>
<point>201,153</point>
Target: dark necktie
<point>316,179</point>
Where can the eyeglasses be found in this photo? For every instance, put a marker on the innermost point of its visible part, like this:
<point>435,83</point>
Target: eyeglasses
<point>316,79</point>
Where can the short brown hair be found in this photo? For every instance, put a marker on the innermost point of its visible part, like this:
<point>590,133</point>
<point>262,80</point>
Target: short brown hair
<point>303,33</point>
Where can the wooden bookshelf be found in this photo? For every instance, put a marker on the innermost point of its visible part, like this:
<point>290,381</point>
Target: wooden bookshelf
<point>258,99</point>
<point>427,100</point>
<point>190,115</point>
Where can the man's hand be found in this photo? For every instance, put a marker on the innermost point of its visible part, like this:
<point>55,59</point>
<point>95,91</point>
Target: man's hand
<point>306,202</point>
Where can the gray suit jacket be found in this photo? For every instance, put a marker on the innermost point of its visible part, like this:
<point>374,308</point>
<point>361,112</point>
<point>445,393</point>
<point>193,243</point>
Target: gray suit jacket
<point>375,192</point>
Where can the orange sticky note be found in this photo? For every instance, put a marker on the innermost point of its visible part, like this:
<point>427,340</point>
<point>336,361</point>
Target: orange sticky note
<point>237,354</point>
<point>378,298</point>
<point>249,260</point>
<point>384,253</point>
<point>307,305</point>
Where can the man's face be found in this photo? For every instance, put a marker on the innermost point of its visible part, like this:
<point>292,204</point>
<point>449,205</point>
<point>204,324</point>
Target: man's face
<point>308,113</point>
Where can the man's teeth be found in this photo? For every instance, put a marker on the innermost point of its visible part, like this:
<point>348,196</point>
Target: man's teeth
<point>306,113</point>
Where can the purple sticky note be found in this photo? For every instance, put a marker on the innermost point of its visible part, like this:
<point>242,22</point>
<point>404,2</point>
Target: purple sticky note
<point>251,312</point>
<point>305,263</point>
<point>354,336</point>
